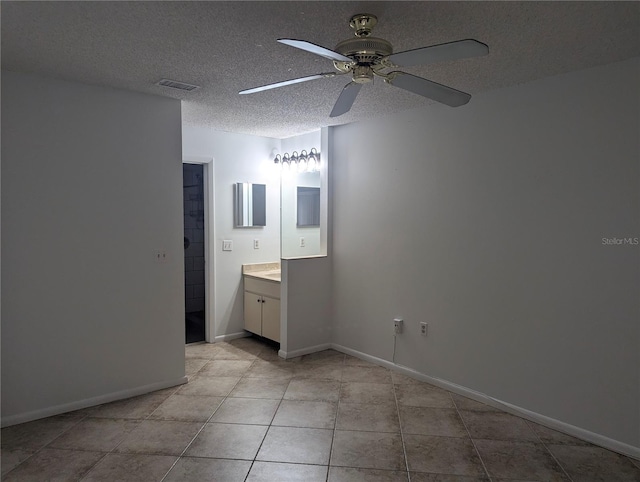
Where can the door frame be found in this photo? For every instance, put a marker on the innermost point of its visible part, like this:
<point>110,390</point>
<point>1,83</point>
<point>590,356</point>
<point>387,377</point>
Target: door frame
<point>209,252</point>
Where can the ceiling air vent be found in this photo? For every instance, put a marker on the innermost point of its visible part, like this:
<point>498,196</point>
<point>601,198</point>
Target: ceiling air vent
<point>174,84</point>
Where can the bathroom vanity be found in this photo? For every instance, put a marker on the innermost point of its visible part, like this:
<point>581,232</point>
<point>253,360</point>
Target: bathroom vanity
<point>262,299</point>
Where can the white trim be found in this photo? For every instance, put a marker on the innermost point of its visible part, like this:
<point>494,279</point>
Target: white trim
<point>552,423</point>
<point>90,402</point>
<point>303,351</point>
<point>232,336</point>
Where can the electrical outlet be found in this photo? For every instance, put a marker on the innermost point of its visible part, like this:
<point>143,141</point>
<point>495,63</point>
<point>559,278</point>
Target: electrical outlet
<point>227,245</point>
<point>160,256</point>
<point>397,325</point>
<point>423,328</point>
<point>302,243</point>
<point>256,244</point>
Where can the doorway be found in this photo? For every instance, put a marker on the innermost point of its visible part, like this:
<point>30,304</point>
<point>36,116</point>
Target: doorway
<point>194,252</point>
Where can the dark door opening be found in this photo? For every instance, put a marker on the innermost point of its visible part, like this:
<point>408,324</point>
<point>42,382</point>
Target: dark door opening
<point>194,285</point>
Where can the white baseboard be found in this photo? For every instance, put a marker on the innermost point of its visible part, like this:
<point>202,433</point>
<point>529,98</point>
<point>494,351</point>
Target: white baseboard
<point>89,402</point>
<point>552,423</point>
<point>303,351</point>
<point>231,336</point>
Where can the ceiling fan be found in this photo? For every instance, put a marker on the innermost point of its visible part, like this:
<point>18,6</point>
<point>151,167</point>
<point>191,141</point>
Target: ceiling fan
<point>365,57</point>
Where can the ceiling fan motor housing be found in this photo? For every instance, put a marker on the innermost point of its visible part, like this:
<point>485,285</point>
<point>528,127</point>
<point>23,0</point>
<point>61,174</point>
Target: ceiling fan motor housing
<point>367,51</point>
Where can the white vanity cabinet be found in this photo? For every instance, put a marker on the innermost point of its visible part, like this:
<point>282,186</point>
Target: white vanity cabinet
<point>262,307</point>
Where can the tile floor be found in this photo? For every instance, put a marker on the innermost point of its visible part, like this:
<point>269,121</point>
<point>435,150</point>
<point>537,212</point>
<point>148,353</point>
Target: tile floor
<point>247,415</point>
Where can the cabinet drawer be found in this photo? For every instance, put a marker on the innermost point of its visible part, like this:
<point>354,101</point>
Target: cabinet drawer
<point>267,288</point>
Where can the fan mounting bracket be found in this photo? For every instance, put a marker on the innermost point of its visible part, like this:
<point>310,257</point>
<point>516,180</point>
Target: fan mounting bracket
<point>363,24</point>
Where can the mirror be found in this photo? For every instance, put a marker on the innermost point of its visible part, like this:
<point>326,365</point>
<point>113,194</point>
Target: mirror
<point>308,206</point>
<point>249,203</point>
<point>300,214</point>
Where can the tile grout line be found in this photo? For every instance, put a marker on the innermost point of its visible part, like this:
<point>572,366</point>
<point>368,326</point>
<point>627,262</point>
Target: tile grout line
<point>484,466</point>
<point>547,449</point>
<point>123,438</point>
<point>267,432</point>
<point>54,439</point>
<point>335,422</point>
<point>207,421</point>
<point>404,447</point>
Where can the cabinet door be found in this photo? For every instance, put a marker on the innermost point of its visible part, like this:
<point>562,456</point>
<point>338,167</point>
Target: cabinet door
<point>271,318</point>
<point>253,312</point>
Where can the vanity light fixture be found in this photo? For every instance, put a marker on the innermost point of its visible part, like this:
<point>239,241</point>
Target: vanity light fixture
<point>302,162</point>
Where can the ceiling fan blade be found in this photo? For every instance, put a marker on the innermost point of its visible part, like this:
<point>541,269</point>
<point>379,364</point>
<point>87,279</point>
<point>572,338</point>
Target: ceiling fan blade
<point>427,88</point>
<point>287,82</point>
<point>460,49</point>
<point>346,99</point>
<point>314,49</point>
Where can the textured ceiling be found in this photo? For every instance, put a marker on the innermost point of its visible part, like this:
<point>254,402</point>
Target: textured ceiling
<point>229,46</point>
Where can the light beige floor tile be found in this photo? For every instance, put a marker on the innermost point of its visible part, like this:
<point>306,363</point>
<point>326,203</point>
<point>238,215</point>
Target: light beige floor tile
<point>366,374</point>
<point>550,436</point>
<point>95,434</point>
<point>423,395</point>
<point>249,344</point>
<point>193,365</point>
<point>354,361</point>
<point>442,455</point>
<point>269,353</point>
<point>250,411</point>
<point>432,421</point>
<point>209,386</point>
<point>313,390</point>
<point>296,445</point>
<point>357,392</point>
<point>371,450</point>
<point>225,368</point>
<point>325,357</point>
<point>400,379</point>
<point>351,474</point>
<point>228,441</point>
<point>464,403</point>
<point>136,408</point>
<point>424,477</point>
<point>266,369</point>
<point>497,426</point>
<point>368,417</point>
<point>11,458</point>
<point>318,371</point>
<point>590,463</point>
<point>306,414</point>
<point>519,460</point>
<point>202,350</point>
<point>54,464</point>
<point>187,408</point>
<point>159,437</point>
<point>280,472</point>
<point>193,469</point>
<point>230,352</point>
<point>260,388</point>
<point>130,468</point>
<point>36,434</point>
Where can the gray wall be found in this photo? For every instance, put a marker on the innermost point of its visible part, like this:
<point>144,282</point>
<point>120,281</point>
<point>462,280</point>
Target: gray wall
<point>487,221</point>
<point>91,187</point>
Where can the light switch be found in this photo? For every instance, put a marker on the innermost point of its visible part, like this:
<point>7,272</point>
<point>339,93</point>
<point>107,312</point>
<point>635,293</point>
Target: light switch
<point>302,243</point>
<point>256,244</point>
<point>227,245</point>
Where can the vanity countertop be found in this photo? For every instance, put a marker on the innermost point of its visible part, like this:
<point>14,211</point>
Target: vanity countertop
<point>263,271</point>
